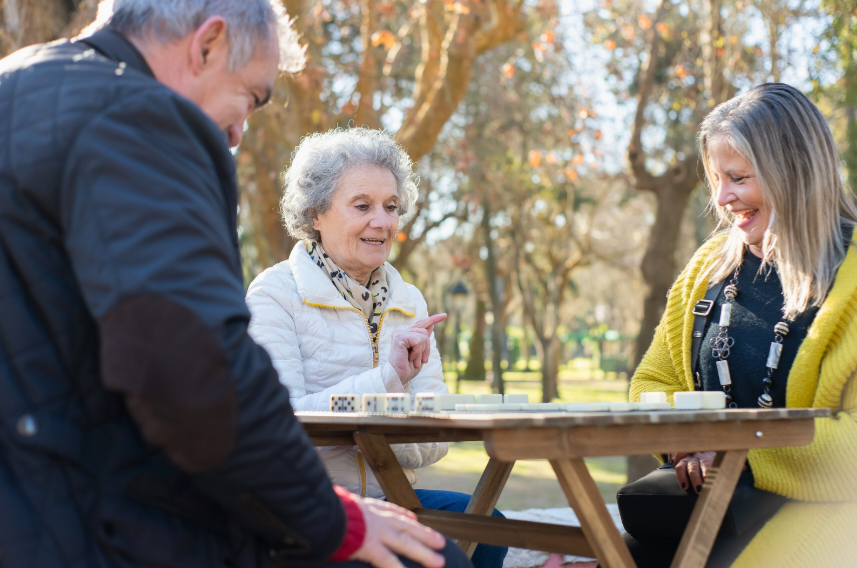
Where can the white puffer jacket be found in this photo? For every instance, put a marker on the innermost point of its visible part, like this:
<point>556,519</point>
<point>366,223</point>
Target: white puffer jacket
<point>320,345</point>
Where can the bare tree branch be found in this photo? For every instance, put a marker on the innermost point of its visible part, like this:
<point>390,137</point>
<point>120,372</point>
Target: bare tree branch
<point>643,179</point>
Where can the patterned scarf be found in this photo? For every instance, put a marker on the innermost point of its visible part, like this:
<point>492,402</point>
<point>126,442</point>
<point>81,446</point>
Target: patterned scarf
<point>370,301</point>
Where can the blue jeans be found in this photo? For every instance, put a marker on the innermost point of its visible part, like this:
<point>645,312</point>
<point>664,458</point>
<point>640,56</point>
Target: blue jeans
<point>485,556</point>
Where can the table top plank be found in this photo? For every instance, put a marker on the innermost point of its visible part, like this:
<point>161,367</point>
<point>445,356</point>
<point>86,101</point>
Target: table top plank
<point>591,441</point>
<point>333,421</point>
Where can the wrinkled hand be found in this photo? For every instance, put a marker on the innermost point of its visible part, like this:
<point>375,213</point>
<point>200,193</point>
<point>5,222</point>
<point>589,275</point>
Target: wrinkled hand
<point>411,347</point>
<point>392,530</point>
<point>692,469</point>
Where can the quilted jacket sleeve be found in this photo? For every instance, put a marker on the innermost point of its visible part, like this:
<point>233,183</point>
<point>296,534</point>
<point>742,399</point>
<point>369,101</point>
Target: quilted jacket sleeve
<point>429,379</point>
<point>149,206</point>
<point>273,327</point>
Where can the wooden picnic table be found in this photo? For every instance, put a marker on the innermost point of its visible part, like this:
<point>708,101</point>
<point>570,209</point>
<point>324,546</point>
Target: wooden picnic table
<point>565,438</point>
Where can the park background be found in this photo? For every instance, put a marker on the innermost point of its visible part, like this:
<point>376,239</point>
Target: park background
<point>560,188</point>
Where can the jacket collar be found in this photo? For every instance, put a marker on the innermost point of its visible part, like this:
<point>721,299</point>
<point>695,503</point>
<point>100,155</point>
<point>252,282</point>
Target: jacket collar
<point>113,45</point>
<point>316,289</point>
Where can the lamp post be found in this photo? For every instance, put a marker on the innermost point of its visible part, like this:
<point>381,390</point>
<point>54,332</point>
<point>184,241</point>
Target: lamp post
<point>458,293</point>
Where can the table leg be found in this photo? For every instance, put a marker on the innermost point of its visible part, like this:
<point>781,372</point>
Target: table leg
<point>710,509</point>
<point>487,493</point>
<point>387,470</point>
<point>595,520</point>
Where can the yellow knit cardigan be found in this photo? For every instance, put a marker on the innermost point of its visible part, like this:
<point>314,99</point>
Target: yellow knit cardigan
<point>819,528</point>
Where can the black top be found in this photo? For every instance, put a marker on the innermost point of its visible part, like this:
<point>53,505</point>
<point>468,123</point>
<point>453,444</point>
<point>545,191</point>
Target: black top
<point>755,312</point>
<point>135,407</point>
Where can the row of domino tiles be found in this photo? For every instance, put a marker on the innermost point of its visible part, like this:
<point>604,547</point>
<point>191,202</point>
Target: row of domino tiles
<point>400,403</point>
<point>422,402</point>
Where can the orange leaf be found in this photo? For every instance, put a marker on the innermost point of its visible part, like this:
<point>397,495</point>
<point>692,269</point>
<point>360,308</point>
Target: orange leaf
<point>644,21</point>
<point>401,237</point>
<point>383,37</point>
<point>535,158</point>
<point>549,36</point>
<point>508,70</point>
<point>578,159</point>
<point>719,52</point>
<point>610,44</point>
<point>386,9</point>
<point>598,134</point>
<point>570,174</point>
<point>551,158</point>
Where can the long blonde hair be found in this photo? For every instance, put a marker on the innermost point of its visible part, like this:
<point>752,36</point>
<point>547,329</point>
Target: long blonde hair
<point>787,142</point>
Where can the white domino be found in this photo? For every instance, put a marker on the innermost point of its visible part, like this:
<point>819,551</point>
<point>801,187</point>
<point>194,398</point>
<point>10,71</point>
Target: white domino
<point>713,400</point>
<point>489,399</point>
<point>490,408</point>
<point>544,407</point>
<point>398,403</point>
<point>516,399</point>
<point>426,402</point>
<point>450,401</point>
<point>647,397</point>
<point>624,406</point>
<point>587,407</point>
<point>344,402</point>
<point>374,403</point>
<point>687,400</point>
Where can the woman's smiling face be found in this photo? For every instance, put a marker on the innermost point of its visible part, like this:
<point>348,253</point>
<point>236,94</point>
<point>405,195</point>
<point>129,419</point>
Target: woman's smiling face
<point>357,230</point>
<point>736,188</point>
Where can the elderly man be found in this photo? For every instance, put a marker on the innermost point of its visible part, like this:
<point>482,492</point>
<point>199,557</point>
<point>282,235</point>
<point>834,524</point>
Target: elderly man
<point>141,426</point>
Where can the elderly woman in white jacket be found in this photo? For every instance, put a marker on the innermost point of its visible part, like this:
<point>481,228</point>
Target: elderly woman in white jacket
<point>336,317</point>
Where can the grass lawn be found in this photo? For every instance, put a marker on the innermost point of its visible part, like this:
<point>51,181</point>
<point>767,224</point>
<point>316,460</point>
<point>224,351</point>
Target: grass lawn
<point>532,483</point>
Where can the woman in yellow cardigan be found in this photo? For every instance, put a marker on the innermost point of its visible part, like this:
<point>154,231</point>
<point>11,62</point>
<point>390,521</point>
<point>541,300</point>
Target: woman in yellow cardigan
<point>789,265</point>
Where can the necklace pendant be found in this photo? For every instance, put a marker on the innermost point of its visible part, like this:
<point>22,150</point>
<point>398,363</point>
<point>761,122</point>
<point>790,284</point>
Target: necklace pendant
<point>731,291</point>
<point>723,373</point>
<point>782,329</point>
<point>774,355</point>
<point>725,315</point>
<point>765,400</point>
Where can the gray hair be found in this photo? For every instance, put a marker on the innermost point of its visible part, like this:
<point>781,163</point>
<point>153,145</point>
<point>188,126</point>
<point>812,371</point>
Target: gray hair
<point>247,22</point>
<point>321,158</point>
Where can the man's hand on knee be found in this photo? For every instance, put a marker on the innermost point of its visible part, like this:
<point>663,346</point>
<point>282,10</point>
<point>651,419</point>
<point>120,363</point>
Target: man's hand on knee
<point>392,530</point>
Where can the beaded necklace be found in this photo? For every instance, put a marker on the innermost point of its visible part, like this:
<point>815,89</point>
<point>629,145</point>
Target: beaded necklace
<point>721,347</point>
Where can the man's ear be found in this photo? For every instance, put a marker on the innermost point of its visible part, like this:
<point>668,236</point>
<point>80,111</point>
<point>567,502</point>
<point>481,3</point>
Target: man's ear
<point>209,45</point>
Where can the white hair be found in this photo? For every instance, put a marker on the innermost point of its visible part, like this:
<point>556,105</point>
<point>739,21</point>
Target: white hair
<point>321,158</point>
<point>247,22</point>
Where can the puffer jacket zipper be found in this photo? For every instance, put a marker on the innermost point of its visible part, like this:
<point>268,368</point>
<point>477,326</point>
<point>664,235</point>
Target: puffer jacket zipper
<point>373,343</point>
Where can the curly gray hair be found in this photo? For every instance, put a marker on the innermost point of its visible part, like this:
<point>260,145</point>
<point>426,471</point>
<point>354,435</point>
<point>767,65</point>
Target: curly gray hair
<point>248,22</point>
<point>320,159</point>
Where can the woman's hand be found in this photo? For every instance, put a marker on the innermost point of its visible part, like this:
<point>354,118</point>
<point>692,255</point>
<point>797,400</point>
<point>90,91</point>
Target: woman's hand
<point>692,469</point>
<point>392,530</point>
<point>411,347</point>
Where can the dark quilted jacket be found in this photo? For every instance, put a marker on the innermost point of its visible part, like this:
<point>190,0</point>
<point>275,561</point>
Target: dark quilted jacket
<point>139,423</point>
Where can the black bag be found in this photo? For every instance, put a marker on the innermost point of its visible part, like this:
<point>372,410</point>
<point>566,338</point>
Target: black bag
<point>656,506</point>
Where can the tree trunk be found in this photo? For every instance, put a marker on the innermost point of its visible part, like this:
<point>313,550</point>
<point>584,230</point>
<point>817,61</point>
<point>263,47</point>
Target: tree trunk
<point>659,263</point>
<point>526,347</point>
<point>475,370</point>
<point>498,333</point>
<point>550,369</point>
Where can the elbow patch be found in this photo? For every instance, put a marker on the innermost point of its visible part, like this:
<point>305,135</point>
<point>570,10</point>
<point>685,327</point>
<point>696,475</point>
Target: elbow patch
<point>175,378</point>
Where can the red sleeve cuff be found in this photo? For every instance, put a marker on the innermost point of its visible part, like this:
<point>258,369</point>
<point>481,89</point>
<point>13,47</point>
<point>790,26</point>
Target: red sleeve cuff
<point>355,527</point>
